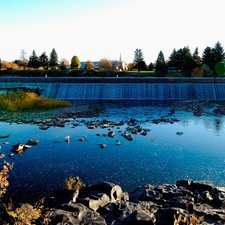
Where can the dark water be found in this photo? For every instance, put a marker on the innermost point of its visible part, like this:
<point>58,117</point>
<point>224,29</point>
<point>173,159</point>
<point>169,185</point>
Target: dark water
<point>160,157</point>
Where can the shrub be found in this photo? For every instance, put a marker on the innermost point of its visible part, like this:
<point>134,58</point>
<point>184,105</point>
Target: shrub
<point>73,183</point>
<point>4,183</point>
<point>26,215</point>
<point>27,101</point>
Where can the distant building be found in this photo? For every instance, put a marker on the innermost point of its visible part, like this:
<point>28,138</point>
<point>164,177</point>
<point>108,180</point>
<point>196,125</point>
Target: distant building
<point>121,65</point>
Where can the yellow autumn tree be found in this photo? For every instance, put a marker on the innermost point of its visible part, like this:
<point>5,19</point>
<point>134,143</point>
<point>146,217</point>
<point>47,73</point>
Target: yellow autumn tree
<point>6,65</point>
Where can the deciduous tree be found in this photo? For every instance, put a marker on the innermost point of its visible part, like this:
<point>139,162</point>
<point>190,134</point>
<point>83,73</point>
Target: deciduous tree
<point>6,65</point>
<point>14,66</point>
<point>23,62</point>
<point>104,65</point>
<point>89,65</point>
<point>75,63</point>
<point>64,64</point>
<point>53,60</point>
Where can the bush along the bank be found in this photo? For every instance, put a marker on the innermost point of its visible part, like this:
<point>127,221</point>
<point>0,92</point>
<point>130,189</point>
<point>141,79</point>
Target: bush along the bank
<point>28,101</point>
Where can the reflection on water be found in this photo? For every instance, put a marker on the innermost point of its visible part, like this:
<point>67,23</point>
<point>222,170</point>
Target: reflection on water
<point>160,157</point>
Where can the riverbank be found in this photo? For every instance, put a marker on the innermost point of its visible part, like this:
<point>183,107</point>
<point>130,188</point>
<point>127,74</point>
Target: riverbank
<point>186,202</point>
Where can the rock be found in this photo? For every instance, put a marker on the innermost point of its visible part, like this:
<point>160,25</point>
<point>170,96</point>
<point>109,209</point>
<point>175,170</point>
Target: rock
<point>105,125</point>
<point>32,142</point>
<point>196,185</point>
<point>102,145</point>
<point>43,127</point>
<point>99,195</point>
<point>11,154</point>
<point>111,134</point>
<point>128,136</point>
<point>132,122</point>
<point>75,213</point>
<point>146,130</point>
<point>20,148</point>
<point>118,142</point>
<point>81,139</point>
<point>68,139</point>
<point>144,133</point>
<point>139,217</point>
<point>145,193</point>
<point>179,133</point>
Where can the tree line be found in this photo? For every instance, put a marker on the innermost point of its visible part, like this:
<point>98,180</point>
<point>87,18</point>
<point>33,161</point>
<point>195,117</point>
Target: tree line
<point>210,63</point>
<point>180,61</point>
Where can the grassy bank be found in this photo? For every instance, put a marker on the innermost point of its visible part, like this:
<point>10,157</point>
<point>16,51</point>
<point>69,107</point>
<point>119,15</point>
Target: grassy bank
<point>28,101</point>
<point>80,73</point>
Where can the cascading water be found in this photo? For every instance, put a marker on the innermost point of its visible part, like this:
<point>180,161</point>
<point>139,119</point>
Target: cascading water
<point>155,89</point>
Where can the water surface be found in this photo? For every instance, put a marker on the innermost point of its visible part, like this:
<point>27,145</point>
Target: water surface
<point>160,157</point>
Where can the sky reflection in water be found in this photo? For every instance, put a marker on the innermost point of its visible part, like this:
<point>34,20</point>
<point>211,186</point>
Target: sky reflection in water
<point>159,157</point>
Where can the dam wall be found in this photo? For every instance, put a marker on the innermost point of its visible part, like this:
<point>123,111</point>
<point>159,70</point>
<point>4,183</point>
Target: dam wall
<point>95,88</point>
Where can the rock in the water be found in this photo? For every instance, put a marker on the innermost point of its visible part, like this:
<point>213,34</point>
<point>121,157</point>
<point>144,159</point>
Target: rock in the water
<point>111,134</point>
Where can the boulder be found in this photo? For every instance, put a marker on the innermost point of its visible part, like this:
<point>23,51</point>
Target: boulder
<point>75,213</point>
<point>139,217</point>
<point>99,195</point>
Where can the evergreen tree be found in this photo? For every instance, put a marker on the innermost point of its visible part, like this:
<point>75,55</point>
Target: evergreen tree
<point>53,60</point>
<point>139,62</point>
<point>75,63</point>
<point>0,63</point>
<point>173,63</point>
<point>161,66</point>
<point>43,60</point>
<point>208,57</point>
<point>33,60</point>
<point>218,52</point>
<point>151,66</point>
<point>188,62</point>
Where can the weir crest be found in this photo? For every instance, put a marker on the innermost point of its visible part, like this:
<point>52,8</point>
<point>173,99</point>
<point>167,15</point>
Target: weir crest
<point>153,89</point>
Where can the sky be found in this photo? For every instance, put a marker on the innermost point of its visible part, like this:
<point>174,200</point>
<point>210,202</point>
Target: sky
<point>96,29</point>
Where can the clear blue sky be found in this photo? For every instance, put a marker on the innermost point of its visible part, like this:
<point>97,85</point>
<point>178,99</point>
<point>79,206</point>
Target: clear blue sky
<point>93,29</point>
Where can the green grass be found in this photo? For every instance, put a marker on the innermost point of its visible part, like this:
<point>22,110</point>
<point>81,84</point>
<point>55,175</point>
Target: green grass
<point>28,101</point>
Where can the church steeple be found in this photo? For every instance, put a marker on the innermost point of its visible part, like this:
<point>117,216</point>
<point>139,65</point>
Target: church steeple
<point>120,59</point>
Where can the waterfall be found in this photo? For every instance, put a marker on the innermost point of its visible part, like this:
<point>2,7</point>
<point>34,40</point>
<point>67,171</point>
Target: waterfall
<point>156,89</point>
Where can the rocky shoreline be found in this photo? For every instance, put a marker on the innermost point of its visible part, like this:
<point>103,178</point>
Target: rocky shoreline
<point>186,202</point>
<point>106,203</point>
